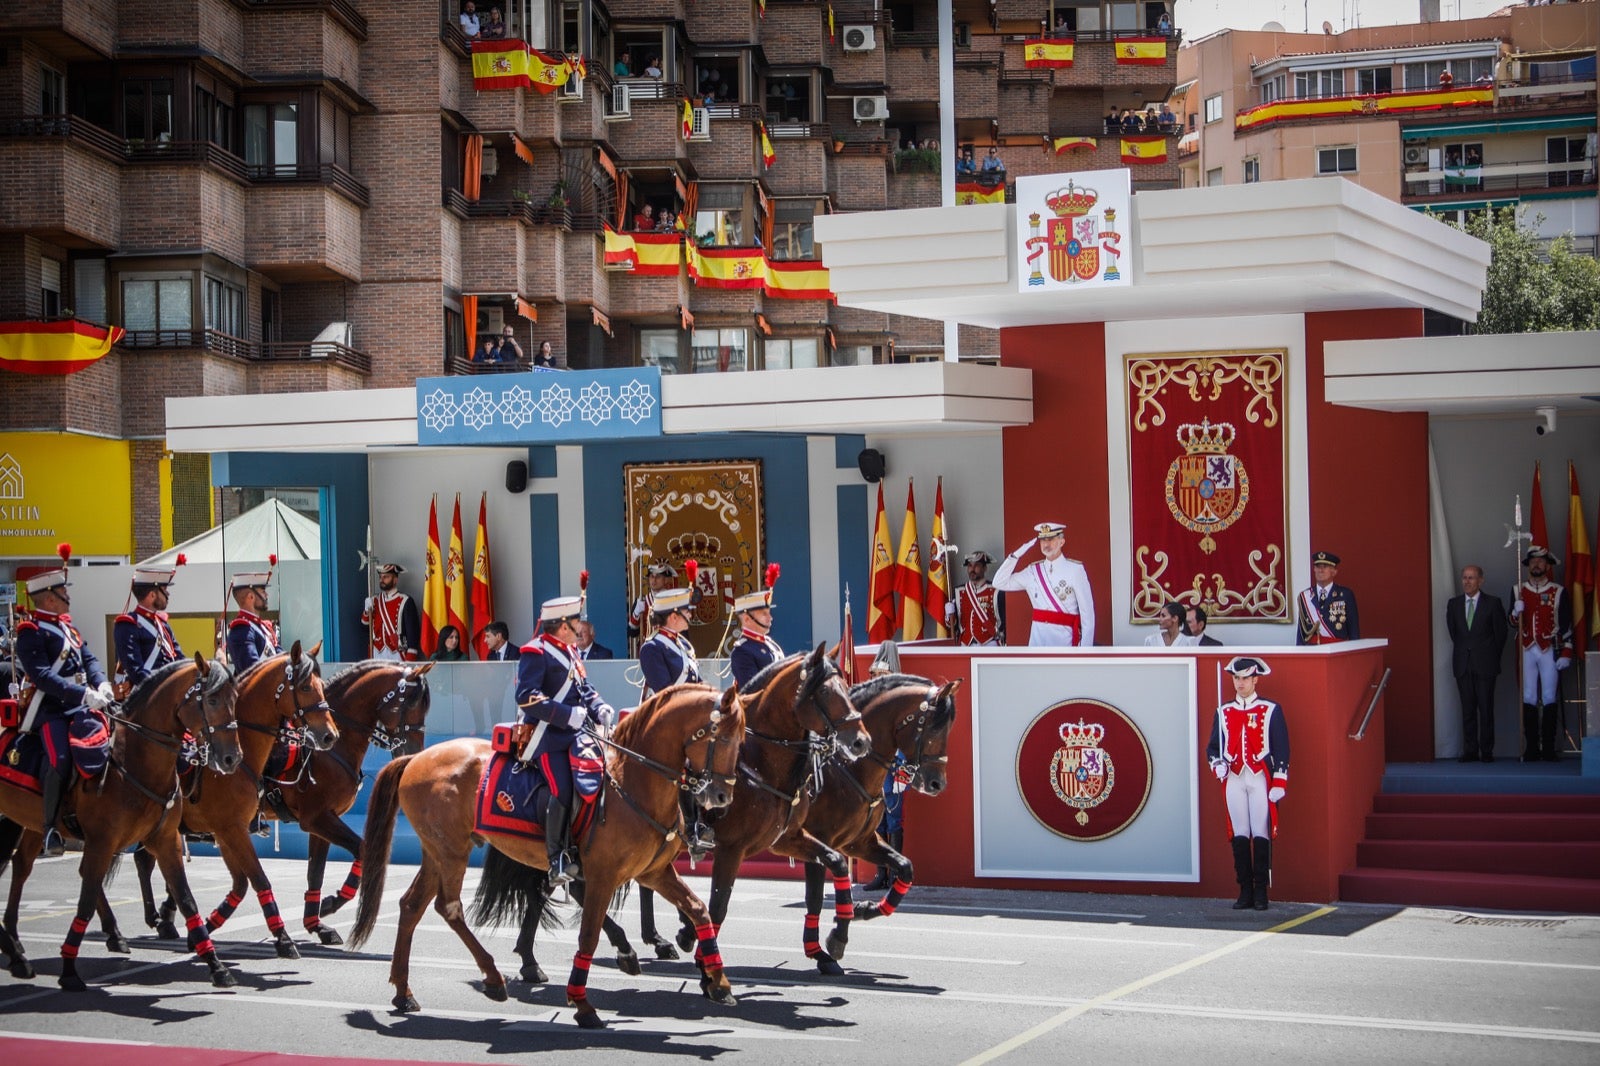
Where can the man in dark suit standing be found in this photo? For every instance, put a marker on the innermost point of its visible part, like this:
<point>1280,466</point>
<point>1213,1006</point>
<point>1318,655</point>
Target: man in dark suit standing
<point>1477,624</point>
<point>1195,626</point>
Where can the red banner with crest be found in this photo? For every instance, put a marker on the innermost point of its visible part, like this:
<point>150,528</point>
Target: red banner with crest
<point>1207,453</point>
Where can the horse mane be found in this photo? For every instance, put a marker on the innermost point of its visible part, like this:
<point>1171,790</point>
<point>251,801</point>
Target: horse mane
<point>867,691</point>
<point>144,690</point>
<point>637,722</point>
<point>356,671</point>
<point>767,673</point>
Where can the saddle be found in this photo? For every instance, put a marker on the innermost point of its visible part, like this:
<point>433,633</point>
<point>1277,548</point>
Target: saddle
<point>512,797</point>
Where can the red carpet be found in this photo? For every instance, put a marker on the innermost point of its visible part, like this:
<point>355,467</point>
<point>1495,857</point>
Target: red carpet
<point>1524,853</point>
<point>28,1049</point>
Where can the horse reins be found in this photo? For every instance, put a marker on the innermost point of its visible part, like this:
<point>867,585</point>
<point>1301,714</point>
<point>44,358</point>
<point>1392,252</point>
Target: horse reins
<point>202,752</point>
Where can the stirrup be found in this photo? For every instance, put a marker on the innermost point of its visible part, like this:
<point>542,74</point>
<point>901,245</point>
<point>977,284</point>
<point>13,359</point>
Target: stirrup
<point>260,828</point>
<point>563,871</point>
<point>54,847</point>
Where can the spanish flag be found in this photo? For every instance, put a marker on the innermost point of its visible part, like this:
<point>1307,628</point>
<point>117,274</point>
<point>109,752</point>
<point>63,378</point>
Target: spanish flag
<point>688,120</point>
<point>434,592</point>
<point>908,572</point>
<point>1048,52</point>
<point>1142,51</point>
<point>621,250</point>
<point>973,192</point>
<point>880,596</point>
<point>830,24</point>
<point>1063,145</point>
<point>482,583</point>
<point>798,280</point>
<point>1580,563</point>
<point>938,570</point>
<point>54,348</point>
<point>1144,149</point>
<point>511,64</point>
<point>455,575</point>
<point>1381,104</point>
<point>727,268</point>
<point>657,254</point>
<point>768,156</point>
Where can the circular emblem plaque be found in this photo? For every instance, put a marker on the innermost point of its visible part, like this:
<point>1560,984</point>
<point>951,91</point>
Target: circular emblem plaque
<point>1083,770</point>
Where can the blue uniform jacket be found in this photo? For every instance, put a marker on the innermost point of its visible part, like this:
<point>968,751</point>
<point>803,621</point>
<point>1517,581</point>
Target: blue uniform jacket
<point>751,655</point>
<point>550,686</point>
<point>140,648</point>
<point>251,638</point>
<point>1338,614</point>
<point>667,660</point>
<point>39,642</point>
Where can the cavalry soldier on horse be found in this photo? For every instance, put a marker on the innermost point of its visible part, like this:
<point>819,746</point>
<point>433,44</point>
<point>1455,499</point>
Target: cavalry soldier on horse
<point>755,650</point>
<point>64,683</point>
<point>554,703</point>
<point>392,616</point>
<point>251,637</point>
<point>143,640</point>
<point>668,659</point>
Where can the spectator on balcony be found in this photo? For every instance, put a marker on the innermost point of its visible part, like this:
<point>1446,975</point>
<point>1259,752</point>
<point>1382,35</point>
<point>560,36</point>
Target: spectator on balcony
<point>469,20</point>
<point>1113,120</point>
<point>488,349</point>
<point>510,350</point>
<point>1130,121</point>
<point>1063,25</point>
<point>624,65</point>
<point>1485,80</point>
<point>1169,121</point>
<point>666,222</point>
<point>546,357</point>
<point>966,164</point>
<point>653,70</point>
<point>1164,25</point>
<point>1447,80</point>
<point>1152,120</point>
<point>495,28</point>
<point>992,162</point>
<point>645,220</point>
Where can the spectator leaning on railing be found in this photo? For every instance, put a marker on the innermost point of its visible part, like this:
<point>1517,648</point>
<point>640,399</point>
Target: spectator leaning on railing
<point>469,20</point>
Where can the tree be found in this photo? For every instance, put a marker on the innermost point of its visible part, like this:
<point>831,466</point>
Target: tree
<point>1531,289</point>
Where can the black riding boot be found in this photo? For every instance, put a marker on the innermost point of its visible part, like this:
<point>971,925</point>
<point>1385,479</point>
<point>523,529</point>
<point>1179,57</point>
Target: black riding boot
<point>54,788</point>
<point>563,865</point>
<point>1530,732</point>
<point>696,833</point>
<point>1262,856</point>
<point>1241,873</point>
<point>1549,732</point>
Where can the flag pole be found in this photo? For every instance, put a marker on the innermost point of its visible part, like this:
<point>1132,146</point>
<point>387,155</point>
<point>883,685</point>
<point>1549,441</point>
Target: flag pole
<point>1516,594</point>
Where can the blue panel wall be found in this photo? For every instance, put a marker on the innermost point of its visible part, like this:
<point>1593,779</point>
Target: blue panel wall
<point>855,547</point>
<point>343,481</point>
<point>544,534</point>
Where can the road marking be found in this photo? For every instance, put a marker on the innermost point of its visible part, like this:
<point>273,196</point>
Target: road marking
<point>1362,1021</point>
<point>987,933</point>
<point>1062,1018</point>
<point>1000,912</point>
<point>1468,962</point>
<point>76,1039</point>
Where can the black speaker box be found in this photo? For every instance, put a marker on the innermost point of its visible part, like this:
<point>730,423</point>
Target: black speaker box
<point>516,476</point>
<point>871,463</point>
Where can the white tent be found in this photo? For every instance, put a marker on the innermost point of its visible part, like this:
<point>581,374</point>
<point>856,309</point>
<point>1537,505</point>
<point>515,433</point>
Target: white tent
<point>272,528</point>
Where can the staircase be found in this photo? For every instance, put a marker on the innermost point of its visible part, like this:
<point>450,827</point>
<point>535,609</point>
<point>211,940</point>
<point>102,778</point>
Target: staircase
<point>1502,852</point>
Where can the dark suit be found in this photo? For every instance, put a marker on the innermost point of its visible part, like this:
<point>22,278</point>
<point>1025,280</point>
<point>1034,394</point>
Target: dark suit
<point>598,650</point>
<point>502,654</point>
<point>1475,661</point>
<point>1209,642</point>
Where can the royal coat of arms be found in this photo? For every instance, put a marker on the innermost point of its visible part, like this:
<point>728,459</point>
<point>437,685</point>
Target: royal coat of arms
<point>1082,772</point>
<point>1207,489</point>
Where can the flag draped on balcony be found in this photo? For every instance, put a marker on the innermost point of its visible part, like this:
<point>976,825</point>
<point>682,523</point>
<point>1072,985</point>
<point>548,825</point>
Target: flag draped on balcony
<point>1048,52</point>
<point>1070,144</point>
<point>1142,51</point>
<point>768,156</point>
<point>727,268</point>
<point>1144,149</point>
<point>798,279</point>
<point>434,592</point>
<point>908,572</point>
<point>938,568</point>
<point>830,24</point>
<point>687,120</point>
<point>880,596</point>
<point>482,583</point>
<point>1371,104</point>
<point>656,255</point>
<point>1580,563</point>
<point>975,192</point>
<point>54,348</point>
<point>455,576</point>
<point>512,64</point>
<point>621,250</point>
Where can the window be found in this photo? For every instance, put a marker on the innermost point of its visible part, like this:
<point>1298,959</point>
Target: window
<point>1371,80</point>
<point>1214,108</point>
<point>854,355</point>
<point>659,347</point>
<point>1252,170</point>
<point>789,98</point>
<point>792,353</point>
<point>720,350</point>
<point>52,92</point>
<point>1214,176</point>
<point>1336,160</point>
<point>1124,15</point>
<point>157,302</point>
<point>722,216</point>
<point>1463,72</point>
<point>50,287</point>
<point>1315,84</point>
<point>147,110</point>
<point>271,136</point>
<point>1273,89</point>
<point>1463,163</point>
<point>455,335</point>
<point>1566,150</point>
<point>224,307</point>
<point>719,77</point>
<point>89,289</point>
<point>792,229</point>
<point>271,317</point>
<point>213,120</point>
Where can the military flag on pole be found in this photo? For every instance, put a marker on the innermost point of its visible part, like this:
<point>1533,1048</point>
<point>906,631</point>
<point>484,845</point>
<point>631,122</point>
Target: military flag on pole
<point>482,583</point>
<point>455,576</point>
<point>1580,563</point>
<point>880,596</point>
<point>938,568</point>
<point>434,594</point>
<point>908,572</point>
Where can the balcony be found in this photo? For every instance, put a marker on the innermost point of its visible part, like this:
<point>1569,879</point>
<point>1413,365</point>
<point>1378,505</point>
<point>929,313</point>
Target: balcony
<point>301,233</point>
<point>653,132</point>
<point>73,192</point>
<point>1100,62</point>
<point>240,350</point>
<point>76,30</point>
<point>1501,179</point>
<point>802,151</point>
<point>287,38</point>
<point>1387,106</point>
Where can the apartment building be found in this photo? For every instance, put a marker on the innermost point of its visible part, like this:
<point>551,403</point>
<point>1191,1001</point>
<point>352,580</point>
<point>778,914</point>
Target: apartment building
<point>1443,116</point>
<point>278,196</point>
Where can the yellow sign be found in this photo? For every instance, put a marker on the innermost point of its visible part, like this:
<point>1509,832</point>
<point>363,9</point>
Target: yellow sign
<point>58,487</point>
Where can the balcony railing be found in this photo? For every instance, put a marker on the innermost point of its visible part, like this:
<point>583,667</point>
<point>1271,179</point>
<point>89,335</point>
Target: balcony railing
<point>460,365</point>
<point>68,126</point>
<point>330,174</point>
<point>800,130</point>
<point>200,152</point>
<point>1501,176</point>
<point>527,212</point>
<point>225,344</point>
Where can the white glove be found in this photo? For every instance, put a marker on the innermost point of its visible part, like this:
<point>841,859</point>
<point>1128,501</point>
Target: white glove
<point>108,693</point>
<point>1020,552</point>
<point>1275,794</point>
<point>94,700</point>
<point>606,715</point>
<point>1516,609</point>
<point>15,690</point>
<point>369,604</point>
<point>575,718</point>
<point>1562,664</point>
<point>1221,770</point>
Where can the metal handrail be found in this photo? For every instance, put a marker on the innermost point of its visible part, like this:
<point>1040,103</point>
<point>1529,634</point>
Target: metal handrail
<point>1372,705</point>
<point>69,126</point>
<point>315,352</point>
<point>329,174</point>
<point>229,346</point>
<point>799,130</point>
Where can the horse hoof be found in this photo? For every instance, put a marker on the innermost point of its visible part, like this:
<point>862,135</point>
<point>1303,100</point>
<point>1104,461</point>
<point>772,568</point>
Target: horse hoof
<point>588,1019</point>
<point>117,944</point>
<point>71,982</point>
<point>223,978</point>
<point>867,911</point>
<point>829,968</point>
<point>534,974</point>
<point>165,930</point>
<point>406,1004</point>
<point>666,951</point>
<point>495,992</point>
<point>330,905</point>
<point>836,945</point>
<point>686,939</point>
<point>723,997</point>
<point>286,949</point>
<point>330,937</point>
<point>629,964</point>
<point>22,969</point>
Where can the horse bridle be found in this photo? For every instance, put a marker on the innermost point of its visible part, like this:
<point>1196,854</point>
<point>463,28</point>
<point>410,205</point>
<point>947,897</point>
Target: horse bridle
<point>919,716</point>
<point>301,731</point>
<point>394,740</point>
<point>196,753</point>
<point>813,743</point>
<point>695,782</point>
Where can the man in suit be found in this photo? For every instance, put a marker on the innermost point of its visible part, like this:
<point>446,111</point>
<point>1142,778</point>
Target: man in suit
<point>1195,619</point>
<point>1327,611</point>
<point>1477,624</point>
<point>586,646</point>
<point>497,638</point>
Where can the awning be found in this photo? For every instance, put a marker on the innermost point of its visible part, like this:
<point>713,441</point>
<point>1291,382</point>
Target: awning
<point>601,320</point>
<point>1510,125</point>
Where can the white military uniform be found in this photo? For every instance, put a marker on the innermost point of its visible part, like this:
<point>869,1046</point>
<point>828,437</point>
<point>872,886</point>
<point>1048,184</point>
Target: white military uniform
<point>1063,606</point>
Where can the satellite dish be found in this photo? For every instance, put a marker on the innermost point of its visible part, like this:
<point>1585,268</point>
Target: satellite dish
<point>1327,27</point>
<point>1273,27</point>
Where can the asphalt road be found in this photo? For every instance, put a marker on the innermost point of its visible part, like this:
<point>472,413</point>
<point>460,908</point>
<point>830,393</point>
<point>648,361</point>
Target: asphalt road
<point>955,976</point>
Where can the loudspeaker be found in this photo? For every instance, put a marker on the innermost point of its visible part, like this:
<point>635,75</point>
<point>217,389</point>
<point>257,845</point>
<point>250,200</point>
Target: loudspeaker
<point>516,476</point>
<point>871,463</point>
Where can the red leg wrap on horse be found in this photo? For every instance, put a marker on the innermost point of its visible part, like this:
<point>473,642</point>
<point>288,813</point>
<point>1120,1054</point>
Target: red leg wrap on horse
<point>69,950</point>
<point>843,909</point>
<point>811,936</point>
<point>224,910</point>
<point>204,947</point>
<point>352,882</point>
<point>578,983</point>
<point>313,914</point>
<point>706,951</point>
<point>269,907</point>
<point>897,892</point>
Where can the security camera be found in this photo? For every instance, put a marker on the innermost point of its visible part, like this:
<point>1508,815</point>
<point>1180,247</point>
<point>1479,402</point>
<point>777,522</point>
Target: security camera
<point>1544,420</point>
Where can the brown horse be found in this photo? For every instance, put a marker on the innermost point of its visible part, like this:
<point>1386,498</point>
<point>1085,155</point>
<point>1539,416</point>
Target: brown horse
<point>905,714</point>
<point>685,737</point>
<point>135,800</point>
<point>283,690</point>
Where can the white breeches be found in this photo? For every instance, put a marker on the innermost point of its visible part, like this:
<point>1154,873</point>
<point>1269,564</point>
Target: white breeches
<point>1247,804</point>
<point>387,655</point>
<point>1539,676</point>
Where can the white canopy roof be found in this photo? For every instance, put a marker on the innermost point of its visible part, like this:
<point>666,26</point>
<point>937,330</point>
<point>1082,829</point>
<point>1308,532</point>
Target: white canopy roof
<point>272,528</point>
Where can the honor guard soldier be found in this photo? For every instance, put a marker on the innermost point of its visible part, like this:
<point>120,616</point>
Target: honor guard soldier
<point>668,659</point>
<point>1544,639</point>
<point>251,637</point>
<point>755,650</point>
<point>392,616</point>
<point>1327,611</point>
<point>1058,587</point>
<point>657,577</point>
<point>1249,753</point>
<point>143,639</point>
<point>977,614</point>
<point>554,703</point>
<point>64,681</point>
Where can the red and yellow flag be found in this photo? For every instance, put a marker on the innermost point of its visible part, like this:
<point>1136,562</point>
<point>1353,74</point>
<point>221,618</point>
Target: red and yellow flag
<point>1580,563</point>
<point>798,279</point>
<point>482,582</point>
<point>973,192</point>
<point>880,597</point>
<point>455,576</point>
<point>727,268</point>
<point>938,568</point>
<point>830,24</point>
<point>511,64</point>
<point>688,120</point>
<point>434,593</point>
<point>1142,51</point>
<point>1048,52</point>
<point>1063,145</point>
<point>1144,149</point>
<point>768,156</point>
<point>908,573</point>
<point>622,252</point>
<point>54,348</point>
<point>657,255</point>
<point>1594,600</point>
<point>1536,522</point>
<point>1374,104</point>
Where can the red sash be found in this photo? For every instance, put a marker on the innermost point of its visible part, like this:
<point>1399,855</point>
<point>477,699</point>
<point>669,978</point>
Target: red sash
<point>1056,618</point>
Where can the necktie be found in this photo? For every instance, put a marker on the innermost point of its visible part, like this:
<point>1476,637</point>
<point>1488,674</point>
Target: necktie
<point>1322,595</point>
<point>1472,608</point>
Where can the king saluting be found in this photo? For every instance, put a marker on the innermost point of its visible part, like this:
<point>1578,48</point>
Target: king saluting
<point>1063,606</point>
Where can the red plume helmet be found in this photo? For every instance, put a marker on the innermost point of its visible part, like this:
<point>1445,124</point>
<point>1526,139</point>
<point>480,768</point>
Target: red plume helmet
<point>772,574</point>
<point>272,560</point>
<point>691,570</point>
<point>65,551</point>
<point>583,581</point>
<point>182,560</point>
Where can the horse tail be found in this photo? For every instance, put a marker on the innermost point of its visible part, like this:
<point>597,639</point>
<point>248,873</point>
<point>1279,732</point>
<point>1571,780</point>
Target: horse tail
<point>620,896</point>
<point>507,890</point>
<point>111,870</point>
<point>375,844</point>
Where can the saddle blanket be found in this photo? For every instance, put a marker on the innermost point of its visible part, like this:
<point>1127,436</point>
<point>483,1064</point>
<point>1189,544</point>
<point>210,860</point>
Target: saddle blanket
<point>286,761</point>
<point>22,760</point>
<point>512,799</point>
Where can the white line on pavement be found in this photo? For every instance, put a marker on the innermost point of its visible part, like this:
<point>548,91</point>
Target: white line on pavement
<point>1467,962</point>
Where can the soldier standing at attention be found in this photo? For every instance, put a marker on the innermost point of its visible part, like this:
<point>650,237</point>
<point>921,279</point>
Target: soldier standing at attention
<point>1249,753</point>
<point>392,615</point>
<point>1544,639</point>
<point>1058,587</point>
<point>657,577</point>
<point>977,612</point>
<point>1327,611</point>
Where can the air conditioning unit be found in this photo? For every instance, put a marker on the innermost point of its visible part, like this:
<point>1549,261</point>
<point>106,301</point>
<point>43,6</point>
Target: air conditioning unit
<point>870,108</point>
<point>491,161</point>
<point>572,88</point>
<point>621,102</point>
<point>963,35</point>
<point>860,38</point>
<point>700,129</point>
<point>1416,155</point>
